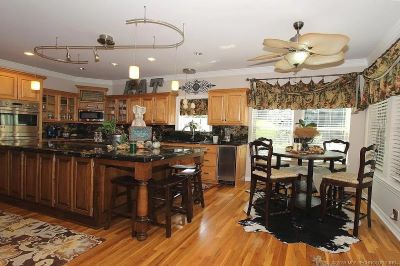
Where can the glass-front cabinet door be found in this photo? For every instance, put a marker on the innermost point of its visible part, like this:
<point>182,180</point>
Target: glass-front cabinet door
<point>67,108</point>
<point>122,111</point>
<point>111,109</point>
<point>49,107</point>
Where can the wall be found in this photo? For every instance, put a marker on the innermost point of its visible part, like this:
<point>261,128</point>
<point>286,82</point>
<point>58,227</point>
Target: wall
<point>57,80</point>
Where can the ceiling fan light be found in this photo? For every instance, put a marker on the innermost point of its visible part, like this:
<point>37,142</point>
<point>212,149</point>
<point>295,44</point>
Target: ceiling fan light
<point>297,58</point>
<point>133,72</point>
<point>35,85</point>
<point>175,85</point>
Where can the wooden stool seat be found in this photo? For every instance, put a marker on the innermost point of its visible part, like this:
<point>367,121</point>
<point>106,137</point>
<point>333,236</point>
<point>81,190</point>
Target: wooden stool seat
<point>166,189</point>
<point>194,171</point>
<point>130,185</point>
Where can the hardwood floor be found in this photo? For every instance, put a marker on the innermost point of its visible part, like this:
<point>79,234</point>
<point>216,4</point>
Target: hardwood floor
<point>215,238</point>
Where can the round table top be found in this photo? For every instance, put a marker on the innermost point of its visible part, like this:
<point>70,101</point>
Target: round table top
<point>328,155</point>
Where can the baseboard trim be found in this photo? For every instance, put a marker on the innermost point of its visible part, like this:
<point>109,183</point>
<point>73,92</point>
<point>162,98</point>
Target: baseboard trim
<point>386,220</point>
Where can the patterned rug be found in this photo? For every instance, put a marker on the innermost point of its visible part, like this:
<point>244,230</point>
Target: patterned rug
<point>26,241</point>
<point>331,235</point>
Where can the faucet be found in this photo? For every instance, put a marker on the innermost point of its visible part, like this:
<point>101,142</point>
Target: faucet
<point>192,125</point>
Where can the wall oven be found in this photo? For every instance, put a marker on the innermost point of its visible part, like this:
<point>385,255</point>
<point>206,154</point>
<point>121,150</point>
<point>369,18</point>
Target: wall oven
<point>91,116</point>
<point>19,122</point>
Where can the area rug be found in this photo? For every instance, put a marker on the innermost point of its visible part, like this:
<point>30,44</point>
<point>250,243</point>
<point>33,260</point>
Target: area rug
<point>331,235</point>
<point>26,241</point>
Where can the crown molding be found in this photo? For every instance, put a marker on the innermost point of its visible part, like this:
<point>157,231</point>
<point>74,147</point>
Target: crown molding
<point>350,63</point>
<point>389,38</point>
<point>49,73</point>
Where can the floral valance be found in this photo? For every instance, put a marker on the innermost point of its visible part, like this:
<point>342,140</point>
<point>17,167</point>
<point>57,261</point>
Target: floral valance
<point>382,78</point>
<point>194,107</point>
<point>339,93</point>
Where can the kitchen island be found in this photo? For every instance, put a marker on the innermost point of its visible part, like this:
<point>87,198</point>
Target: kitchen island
<point>72,180</point>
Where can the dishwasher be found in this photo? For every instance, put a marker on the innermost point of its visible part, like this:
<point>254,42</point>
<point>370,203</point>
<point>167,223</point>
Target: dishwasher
<point>226,171</point>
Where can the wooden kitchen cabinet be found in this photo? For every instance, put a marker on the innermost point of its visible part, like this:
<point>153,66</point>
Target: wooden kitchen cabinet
<point>15,174</point>
<point>17,85</point>
<point>63,182</point>
<point>24,88</point>
<point>148,102</point>
<point>82,186</point>
<point>4,184</point>
<point>227,107</point>
<point>117,108</point>
<point>46,176</point>
<point>59,106</point>
<point>8,85</point>
<point>30,176</point>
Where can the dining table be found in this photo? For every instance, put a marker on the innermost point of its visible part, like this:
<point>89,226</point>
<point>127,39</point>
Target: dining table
<point>331,156</point>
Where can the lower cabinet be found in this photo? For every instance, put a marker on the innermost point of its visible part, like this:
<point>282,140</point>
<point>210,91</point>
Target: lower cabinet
<point>82,186</point>
<point>4,172</point>
<point>63,182</point>
<point>46,176</point>
<point>15,174</point>
<point>30,176</point>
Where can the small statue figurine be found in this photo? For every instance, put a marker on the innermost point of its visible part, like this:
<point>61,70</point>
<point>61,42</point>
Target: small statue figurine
<point>138,112</point>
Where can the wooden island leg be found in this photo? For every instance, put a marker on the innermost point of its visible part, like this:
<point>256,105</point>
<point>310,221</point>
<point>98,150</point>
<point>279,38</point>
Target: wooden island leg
<point>143,172</point>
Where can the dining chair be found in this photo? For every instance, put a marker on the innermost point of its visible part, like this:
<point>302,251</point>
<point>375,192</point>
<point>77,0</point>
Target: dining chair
<point>340,146</point>
<point>266,174</point>
<point>263,139</point>
<point>358,181</point>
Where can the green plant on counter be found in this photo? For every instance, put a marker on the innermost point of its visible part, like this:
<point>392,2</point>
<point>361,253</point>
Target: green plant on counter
<point>302,123</point>
<point>109,127</point>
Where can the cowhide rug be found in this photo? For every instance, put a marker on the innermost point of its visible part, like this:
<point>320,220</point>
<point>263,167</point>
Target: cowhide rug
<point>331,235</point>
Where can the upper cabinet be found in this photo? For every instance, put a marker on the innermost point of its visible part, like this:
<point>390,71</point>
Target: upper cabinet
<point>160,108</point>
<point>17,85</point>
<point>228,107</point>
<point>59,106</point>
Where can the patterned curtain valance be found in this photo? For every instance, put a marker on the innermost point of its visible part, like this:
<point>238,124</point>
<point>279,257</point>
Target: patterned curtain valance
<point>382,78</point>
<point>200,107</point>
<point>339,93</point>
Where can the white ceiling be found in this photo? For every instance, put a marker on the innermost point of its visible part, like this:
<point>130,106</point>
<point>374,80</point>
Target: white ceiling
<point>208,25</point>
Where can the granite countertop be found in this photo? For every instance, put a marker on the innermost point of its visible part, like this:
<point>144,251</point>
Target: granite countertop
<point>232,143</point>
<point>95,150</point>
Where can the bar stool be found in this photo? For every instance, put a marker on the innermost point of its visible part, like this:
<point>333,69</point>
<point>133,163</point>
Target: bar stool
<point>165,191</point>
<point>194,172</point>
<point>130,184</point>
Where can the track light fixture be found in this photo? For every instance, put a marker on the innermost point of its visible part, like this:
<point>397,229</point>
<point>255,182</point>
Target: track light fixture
<point>68,56</point>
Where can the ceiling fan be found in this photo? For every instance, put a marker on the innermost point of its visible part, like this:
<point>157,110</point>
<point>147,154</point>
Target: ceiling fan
<point>307,50</point>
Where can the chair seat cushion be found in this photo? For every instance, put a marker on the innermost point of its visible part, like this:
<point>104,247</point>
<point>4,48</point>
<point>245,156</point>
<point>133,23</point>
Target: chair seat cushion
<point>337,165</point>
<point>276,174</point>
<point>346,177</point>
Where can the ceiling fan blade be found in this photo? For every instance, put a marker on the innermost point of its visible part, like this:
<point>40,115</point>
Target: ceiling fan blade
<point>315,59</point>
<point>284,65</point>
<point>280,44</point>
<point>269,57</point>
<point>324,44</point>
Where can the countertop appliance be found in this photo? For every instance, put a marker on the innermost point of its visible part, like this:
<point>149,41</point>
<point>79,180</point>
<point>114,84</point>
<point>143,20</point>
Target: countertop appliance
<point>19,122</point>
<point>226,164</point>
<point>91,116</point>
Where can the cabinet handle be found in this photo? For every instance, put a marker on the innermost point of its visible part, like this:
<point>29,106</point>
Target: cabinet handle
<point>206,173</point>
<point>206,160</point>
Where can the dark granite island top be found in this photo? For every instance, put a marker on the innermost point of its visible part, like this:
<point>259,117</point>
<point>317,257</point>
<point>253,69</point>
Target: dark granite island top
<point>100,151</point>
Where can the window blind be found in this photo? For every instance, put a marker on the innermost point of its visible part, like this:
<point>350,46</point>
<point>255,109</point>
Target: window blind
<point>273,124</point>
<point>331,123</point>
<point>377,114</point>
<point>394,168</point>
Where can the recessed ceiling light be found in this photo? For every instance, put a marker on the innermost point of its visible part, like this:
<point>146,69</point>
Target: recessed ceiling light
<point>197,53</point>
<point>29,53</point>
<point>227,46</point>
<point>213,61</point>
<point>151,59</point>
<point>82,68</point>
<point>114,64</point>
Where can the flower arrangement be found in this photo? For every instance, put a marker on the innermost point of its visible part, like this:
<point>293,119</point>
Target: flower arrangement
<point>308,131</point>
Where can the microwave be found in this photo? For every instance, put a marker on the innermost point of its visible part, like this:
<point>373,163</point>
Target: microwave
<point>94,116</point>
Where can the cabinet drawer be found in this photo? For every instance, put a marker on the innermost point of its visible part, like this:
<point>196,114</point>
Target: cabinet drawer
<point>209,174</point>
<point>210,159</point>
<point>211,149</point>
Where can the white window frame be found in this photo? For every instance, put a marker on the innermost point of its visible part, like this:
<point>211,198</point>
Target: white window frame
<point>178,106</point>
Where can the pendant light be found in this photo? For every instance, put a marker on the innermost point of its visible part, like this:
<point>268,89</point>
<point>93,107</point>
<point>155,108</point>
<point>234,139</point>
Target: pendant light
<point>175,83</point>
<point>134,69</point>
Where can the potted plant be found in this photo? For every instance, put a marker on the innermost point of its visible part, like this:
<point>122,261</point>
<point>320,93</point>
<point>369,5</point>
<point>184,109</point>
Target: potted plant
<point>113,133</point>
<point>305,132</point>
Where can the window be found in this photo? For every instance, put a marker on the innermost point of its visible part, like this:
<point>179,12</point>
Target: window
<point>273,124</point>
<point>377,114</point>
<point>394,166</point>
<point>331,123</point>
<point>201,120</point>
